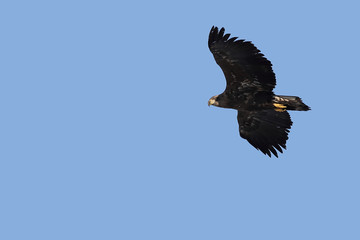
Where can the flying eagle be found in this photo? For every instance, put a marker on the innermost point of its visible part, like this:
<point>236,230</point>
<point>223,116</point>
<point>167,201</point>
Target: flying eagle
<point>262,116</point>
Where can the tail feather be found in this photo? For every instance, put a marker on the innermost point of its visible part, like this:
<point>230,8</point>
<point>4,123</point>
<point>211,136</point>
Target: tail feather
<point>291,102</point>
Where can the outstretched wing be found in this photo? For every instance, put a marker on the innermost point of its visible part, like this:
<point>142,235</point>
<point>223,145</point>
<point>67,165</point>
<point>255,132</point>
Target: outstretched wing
<point>267,130</point>
<point>245,67</point>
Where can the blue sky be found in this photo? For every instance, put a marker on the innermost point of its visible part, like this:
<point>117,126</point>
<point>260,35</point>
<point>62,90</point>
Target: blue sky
<point>106,132</point>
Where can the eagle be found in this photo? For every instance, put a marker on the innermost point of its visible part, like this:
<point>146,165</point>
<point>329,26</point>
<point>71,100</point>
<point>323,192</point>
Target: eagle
<point>263,117</point>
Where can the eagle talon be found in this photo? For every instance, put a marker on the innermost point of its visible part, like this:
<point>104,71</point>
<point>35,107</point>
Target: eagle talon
<point>278,105</point>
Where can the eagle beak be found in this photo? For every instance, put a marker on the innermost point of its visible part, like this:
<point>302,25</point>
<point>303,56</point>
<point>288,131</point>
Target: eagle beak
<point>211,102</point>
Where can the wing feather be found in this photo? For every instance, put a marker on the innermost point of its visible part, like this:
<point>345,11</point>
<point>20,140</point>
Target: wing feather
<point>267,130</point>
<point>244,66</point>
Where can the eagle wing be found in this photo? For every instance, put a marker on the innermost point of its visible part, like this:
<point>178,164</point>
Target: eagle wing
<point>266,130</point>
<point>244,66</point>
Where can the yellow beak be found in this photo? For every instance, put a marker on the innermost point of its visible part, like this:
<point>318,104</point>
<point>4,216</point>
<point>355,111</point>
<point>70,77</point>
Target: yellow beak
<point>211,102</point>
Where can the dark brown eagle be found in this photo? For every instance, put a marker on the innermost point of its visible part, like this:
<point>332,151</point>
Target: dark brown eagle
<point>262,116</point>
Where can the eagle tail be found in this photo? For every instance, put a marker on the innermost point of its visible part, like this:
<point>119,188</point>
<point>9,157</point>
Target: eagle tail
<point>290,103</point>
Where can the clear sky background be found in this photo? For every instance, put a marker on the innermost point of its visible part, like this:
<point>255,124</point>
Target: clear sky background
<point>106,132</point>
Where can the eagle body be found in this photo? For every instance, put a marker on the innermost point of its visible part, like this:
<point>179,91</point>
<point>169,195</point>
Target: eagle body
<point>262,116</point>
